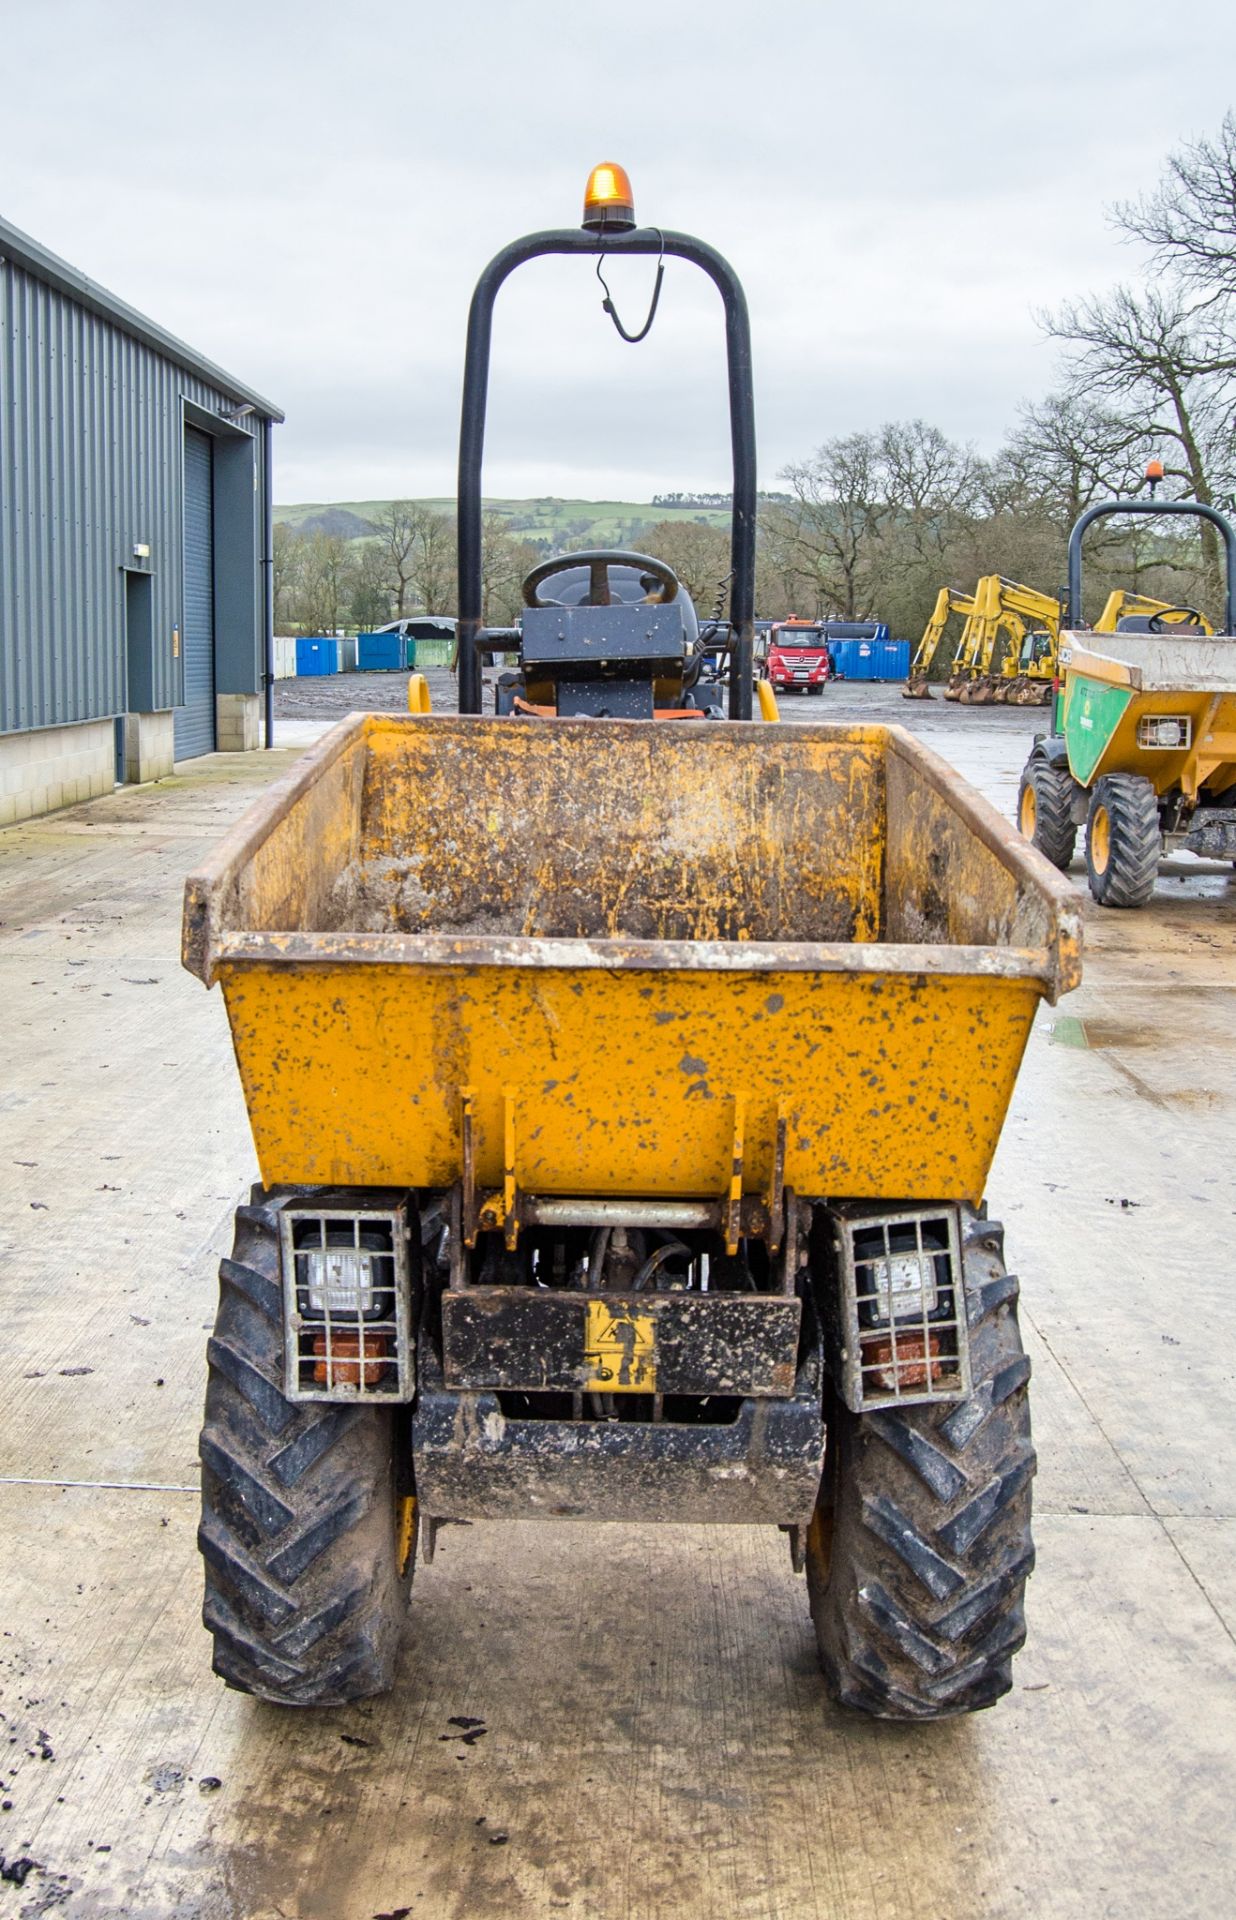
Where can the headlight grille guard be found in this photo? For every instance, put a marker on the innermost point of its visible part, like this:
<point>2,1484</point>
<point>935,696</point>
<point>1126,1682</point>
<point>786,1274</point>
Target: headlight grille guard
<point>899,1321</point>
<point>335,1350</point>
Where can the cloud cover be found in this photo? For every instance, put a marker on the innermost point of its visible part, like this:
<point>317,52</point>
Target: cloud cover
<point>307,193</point>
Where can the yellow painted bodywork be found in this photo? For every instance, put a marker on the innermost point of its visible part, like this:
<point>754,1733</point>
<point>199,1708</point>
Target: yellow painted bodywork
<point>626,1083</point>
<point>631,949</point>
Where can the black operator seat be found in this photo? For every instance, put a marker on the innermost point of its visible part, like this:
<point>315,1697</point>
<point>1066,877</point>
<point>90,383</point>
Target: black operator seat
<point>1166,629</point>
<point>628,587</point>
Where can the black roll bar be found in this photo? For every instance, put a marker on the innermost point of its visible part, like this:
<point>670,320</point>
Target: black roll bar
<point>1073,612</point>
<point>742,437</point>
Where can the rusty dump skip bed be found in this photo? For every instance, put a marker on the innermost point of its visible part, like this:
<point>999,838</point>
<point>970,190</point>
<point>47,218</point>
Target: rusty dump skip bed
<point>620,958</point>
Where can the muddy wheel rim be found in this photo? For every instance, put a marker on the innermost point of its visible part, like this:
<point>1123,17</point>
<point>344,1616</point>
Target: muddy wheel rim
<point>1029,812</point>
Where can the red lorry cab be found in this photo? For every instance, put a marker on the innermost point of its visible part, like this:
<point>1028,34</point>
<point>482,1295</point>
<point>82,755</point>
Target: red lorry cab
<point>798,656</point>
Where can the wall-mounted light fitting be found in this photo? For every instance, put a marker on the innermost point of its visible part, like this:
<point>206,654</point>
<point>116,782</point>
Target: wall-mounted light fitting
<point>141,550</point>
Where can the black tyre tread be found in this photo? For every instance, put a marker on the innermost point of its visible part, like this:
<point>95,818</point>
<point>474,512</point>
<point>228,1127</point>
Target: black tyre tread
<point>303,1595</point>
<point>920,1609</point>
<point>1136,841</point>
<point>1055,831</point>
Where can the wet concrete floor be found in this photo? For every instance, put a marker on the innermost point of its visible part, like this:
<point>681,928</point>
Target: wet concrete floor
<point>658,1738</point>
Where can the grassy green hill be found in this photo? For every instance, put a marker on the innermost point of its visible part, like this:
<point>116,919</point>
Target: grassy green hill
<point>590,523</point>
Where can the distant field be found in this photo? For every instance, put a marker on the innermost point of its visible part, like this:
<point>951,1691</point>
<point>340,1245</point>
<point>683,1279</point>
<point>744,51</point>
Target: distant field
<point>586,522</point>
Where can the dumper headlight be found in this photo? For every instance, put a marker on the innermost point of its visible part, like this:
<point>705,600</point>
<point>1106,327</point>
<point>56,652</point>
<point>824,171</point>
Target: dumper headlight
<point>1172,731</point>
<point>346,1303</point>
<point>902,1283</point>
<point>340,1280</point>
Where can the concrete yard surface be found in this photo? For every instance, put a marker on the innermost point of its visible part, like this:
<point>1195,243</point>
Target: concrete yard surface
<point>657,1743</point>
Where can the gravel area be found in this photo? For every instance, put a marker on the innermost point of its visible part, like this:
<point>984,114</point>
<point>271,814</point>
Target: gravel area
<point>329,697</point>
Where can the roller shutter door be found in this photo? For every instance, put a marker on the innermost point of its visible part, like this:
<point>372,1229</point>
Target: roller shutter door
<point>195,720</point>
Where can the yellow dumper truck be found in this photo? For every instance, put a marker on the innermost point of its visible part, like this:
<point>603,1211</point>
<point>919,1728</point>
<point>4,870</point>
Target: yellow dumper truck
<point>1143,748</point>
<point>624,1074</point>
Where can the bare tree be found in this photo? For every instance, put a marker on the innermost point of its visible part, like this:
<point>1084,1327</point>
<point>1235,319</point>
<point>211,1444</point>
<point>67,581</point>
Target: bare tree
<point>1065,453</point>
<point>1143,350</point>
<point>929,482</point>
<point>1189,221</point>
<point>395,525</point>
<point>325,582</point>
<point>825,539</point>
<point>370,604</point>
<point>433,559</point>
<point>288,556</point>
<point>698,553</point>
<point>504,562</point>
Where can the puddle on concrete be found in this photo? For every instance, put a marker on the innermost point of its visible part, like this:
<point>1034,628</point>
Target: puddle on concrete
<point>1068,1031</point>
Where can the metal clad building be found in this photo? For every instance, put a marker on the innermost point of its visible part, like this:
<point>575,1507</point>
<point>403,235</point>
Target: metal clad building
<point>134,508</point>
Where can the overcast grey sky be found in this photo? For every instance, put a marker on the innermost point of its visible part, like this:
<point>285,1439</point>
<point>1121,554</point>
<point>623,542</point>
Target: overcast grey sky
<point>307,192</point>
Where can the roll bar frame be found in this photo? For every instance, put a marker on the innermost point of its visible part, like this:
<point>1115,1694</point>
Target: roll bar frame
<point>1104,508</point>
<point>641,240</point>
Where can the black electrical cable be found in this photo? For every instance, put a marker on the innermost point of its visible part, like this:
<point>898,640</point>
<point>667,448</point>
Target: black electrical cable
<point>607,305</point>
<point>656,1260</point>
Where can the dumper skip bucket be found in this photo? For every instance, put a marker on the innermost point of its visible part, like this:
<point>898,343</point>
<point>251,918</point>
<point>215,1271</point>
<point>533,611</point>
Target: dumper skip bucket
<point>614,958</point>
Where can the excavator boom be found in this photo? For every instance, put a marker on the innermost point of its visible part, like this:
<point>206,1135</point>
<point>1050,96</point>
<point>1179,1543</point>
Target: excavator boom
<point>948,602</point>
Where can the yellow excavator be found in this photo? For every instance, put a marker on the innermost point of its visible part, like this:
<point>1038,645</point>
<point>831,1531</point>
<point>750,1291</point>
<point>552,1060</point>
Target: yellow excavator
<point>948,602</point>
<point>1008,650</point>
<point>1012,652</point>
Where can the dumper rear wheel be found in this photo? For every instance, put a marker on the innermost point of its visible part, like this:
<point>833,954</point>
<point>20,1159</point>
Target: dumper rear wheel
<point>919,1549</point>
<point>1124,840</point>
<point>306,1569</point>
<point>1045,811</point>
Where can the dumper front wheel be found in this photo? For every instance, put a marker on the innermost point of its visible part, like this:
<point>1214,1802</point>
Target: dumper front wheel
<point>1124,840</point>
<point>306,1530</point>
<point>919,1549</point>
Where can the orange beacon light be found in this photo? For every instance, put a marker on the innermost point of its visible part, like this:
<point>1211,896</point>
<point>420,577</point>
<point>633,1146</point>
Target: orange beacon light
<point>609,203</point>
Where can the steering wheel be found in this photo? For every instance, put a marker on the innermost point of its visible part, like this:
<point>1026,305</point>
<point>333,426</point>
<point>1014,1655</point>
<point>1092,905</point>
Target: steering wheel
<point>599,564</point>
<point>1159,622</point>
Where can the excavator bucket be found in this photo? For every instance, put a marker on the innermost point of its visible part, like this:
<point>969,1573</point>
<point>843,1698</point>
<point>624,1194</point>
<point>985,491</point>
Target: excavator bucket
<point>917,687</point>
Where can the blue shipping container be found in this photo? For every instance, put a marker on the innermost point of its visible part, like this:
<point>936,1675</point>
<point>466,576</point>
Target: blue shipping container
<point>854,659</point>
<point>871,659</point>
<point>317,654</point>
<point>894,659</point>
<point>380,652</point>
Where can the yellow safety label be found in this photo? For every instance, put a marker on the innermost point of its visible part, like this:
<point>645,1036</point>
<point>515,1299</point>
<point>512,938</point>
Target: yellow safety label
<point>619,1350</point>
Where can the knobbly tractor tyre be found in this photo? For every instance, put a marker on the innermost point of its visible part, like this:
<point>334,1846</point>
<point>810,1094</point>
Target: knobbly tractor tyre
<point>1124,840</point>
<point>301,1507</point>
<point>1045,811</point>
<point>919,1550</point>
